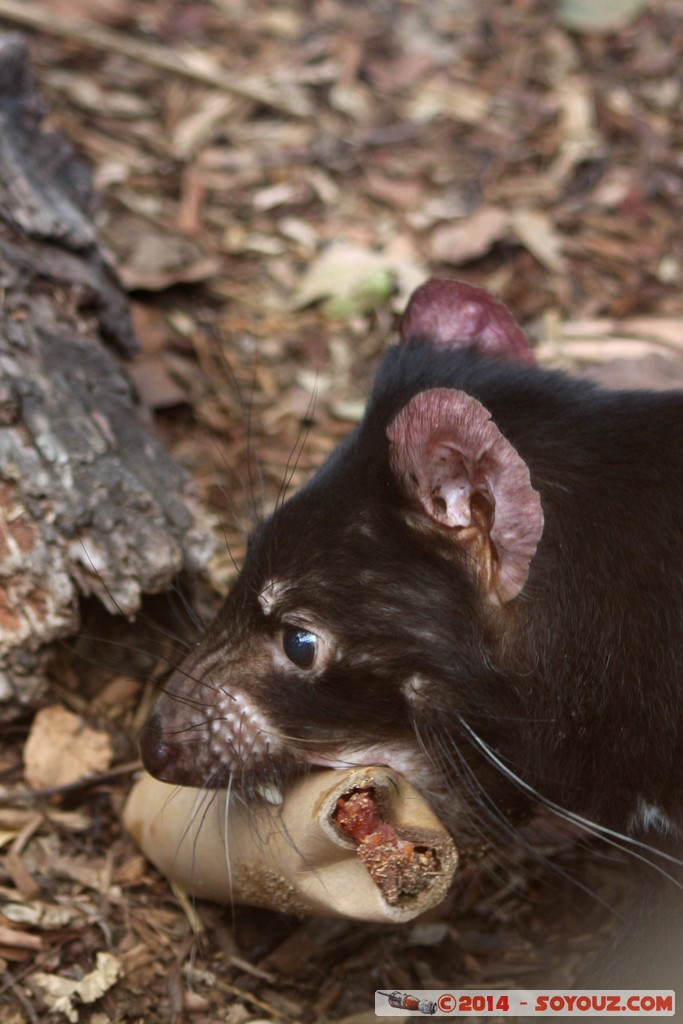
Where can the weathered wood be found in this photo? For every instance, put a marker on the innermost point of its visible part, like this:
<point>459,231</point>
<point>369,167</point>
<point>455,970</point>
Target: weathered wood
<point>89,502</point>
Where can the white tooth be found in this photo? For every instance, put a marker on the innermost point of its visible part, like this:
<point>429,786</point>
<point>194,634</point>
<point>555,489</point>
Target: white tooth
<point>271,793</point>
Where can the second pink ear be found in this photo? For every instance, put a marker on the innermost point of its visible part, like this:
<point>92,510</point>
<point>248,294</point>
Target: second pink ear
<point>444,451</point>
<point>452,313</point>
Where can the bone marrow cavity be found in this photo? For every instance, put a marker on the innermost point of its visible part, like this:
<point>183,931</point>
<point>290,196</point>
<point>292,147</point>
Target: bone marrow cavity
<point>399,868</point>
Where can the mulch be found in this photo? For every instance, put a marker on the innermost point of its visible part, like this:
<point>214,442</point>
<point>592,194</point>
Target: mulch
<point>273,181</point>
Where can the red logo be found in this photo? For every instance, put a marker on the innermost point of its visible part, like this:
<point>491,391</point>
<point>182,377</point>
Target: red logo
<point>447,1003</point>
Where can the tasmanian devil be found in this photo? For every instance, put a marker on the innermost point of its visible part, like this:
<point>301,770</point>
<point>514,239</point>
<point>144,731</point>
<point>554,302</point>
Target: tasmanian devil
<point>482,588</point>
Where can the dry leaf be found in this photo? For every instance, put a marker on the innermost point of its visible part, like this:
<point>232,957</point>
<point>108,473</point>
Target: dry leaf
<point>83,91</point>
<point>403,193</point>
<point>654,372</point>
<point>37,914</point>
<point>6,836</point>
<point>155,386</point>
<point>599,349</point>
<point>352,279</point>
<point>440,97</point>
<point>17,939</point>
<point>536,233</point>
<point>63,995</point>
<point>120,691</point>
<point>636,352</point>
<point>157,261</point>
<point>198,127</point>
<point>471,237</point>
<point>91,873</point>
<point>668,331</point>
<point>606,16</point>
<point>61,749</point>
<point>581,139</point>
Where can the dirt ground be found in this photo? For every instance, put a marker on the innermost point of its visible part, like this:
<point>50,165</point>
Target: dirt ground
<point>274,181</point>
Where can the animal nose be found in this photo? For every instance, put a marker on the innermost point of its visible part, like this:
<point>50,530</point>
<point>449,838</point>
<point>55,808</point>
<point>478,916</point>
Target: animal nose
<point>163,757</point>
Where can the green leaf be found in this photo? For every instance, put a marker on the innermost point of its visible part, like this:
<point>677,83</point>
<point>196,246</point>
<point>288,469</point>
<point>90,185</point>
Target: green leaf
<point>598,15</point>
<point>351,279</point>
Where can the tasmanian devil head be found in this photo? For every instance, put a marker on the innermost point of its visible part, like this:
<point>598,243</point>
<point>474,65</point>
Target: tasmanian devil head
<point>373,606</point>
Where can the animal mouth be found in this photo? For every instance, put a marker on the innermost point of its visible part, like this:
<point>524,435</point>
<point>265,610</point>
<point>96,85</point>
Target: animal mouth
<point>399,758</point>
<point>234,744</point>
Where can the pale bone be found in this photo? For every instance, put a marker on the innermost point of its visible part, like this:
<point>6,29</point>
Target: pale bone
<point>291,858</point>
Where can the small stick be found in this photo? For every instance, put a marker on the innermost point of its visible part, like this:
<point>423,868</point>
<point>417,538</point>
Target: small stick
<point>27,796</point>
<point>37,16</point>
<point>260,1004</point>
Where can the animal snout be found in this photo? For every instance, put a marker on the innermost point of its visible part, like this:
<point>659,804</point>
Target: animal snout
<point>164,755</point>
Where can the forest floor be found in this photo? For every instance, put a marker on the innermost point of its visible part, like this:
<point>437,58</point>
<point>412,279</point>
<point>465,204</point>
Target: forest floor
<point>275,179</point>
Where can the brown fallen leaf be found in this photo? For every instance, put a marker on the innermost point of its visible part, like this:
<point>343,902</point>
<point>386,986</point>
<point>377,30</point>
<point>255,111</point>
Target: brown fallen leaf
<point>158,261</point>
<point>536,232</point>
<point>152,259</point>
<point>666,330</point>
<point>22,878</point>
<point>581,138</point>
<point>402,193</point>
<point>61,749</point>
<point>472,237</point>
<point>155,386</point>
<point>440,96</point>
<point>61,994</point>
<point>19,939</point>
<point>43,915</point>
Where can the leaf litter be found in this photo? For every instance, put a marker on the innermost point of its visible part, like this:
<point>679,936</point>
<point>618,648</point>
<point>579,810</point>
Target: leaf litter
<point>248,158</point>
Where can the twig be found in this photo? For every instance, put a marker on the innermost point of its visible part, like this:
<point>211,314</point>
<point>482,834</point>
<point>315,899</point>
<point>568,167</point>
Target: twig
<point>199,67</point>
<point>28,796</point>
<point>9,983</point>
<point>260,1004</point>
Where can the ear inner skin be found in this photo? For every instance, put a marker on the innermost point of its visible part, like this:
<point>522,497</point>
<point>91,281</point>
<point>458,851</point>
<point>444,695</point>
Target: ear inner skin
<point>453,463</point>
<point>456,314</point>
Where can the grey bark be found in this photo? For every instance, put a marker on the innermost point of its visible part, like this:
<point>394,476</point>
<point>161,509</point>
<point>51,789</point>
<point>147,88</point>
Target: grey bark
<point>89,502</point>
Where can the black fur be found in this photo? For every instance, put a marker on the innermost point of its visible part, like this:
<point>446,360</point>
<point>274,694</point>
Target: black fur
<point>568,695</point>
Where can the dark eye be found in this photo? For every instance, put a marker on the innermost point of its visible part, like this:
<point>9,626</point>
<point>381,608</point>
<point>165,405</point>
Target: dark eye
<point>300,646</point>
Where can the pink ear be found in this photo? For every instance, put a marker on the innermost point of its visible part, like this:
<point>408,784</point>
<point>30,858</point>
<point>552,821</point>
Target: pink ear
<point>454,313</point>
<point>455,466</point>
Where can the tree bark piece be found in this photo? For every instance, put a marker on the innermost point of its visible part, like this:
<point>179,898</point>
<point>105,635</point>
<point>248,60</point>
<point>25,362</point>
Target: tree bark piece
<point>89,502</point>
